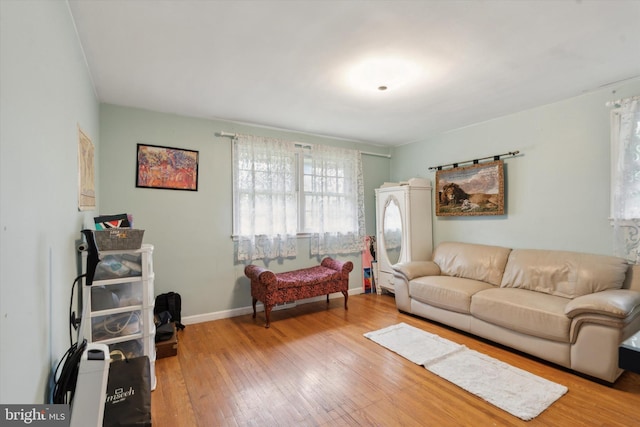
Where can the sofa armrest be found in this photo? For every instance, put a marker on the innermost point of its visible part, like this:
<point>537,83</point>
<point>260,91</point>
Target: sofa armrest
<point>618,303</point>
<point>412,269</point>
<point>343,267</point>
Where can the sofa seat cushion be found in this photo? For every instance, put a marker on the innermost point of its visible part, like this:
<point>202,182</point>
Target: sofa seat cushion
<point>450,293</point>
<point>532,313</point>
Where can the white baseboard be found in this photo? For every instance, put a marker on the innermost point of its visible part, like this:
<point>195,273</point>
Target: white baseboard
<point>225,314</point>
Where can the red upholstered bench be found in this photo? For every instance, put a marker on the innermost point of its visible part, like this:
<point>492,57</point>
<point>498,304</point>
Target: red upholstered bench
<point>278,288</point>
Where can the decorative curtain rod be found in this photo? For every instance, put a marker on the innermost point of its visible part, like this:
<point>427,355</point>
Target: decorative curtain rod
<point>367,153</point>
<point>475,161</point>
<point>618,102</point>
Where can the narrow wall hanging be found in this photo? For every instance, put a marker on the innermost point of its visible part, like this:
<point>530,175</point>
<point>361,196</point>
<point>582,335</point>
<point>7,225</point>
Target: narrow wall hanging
<point>86,173</point>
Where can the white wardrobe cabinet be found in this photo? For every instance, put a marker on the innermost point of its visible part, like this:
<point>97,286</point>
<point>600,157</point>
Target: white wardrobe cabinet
<point>403,226</point>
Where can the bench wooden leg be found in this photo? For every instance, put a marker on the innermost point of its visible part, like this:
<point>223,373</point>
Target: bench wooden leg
<point>267,313</point>
<point>346,297</point>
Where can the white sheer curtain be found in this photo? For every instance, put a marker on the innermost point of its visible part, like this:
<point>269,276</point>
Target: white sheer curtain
<point>265,199</point>
<point>334,200</point>
<point>625,138</point>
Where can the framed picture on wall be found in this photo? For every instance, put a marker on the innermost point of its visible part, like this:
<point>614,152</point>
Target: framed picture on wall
<point>471,190</point>
<point>167,168</point>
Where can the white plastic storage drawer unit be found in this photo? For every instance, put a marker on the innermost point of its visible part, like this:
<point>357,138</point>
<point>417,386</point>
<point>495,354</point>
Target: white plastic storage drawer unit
<point>118,306</point>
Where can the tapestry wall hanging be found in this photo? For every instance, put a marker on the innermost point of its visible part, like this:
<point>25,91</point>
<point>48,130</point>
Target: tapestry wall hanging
<point>471,190</point>
<point>167,168</point>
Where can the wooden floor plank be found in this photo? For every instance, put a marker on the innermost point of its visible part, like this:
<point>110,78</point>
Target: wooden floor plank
<point>313,367</point>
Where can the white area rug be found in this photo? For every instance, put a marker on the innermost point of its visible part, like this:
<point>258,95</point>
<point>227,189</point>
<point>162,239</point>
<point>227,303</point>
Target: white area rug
<point>516,391</point>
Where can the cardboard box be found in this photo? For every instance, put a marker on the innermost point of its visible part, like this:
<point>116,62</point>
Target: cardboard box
<point>169,347</point>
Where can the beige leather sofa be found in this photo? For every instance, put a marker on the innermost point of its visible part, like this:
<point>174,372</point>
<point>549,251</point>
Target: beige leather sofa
<point>569,308</point>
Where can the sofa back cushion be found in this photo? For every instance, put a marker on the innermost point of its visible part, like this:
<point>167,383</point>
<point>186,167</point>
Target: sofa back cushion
<point>472,261</point>
<point>561,273</point>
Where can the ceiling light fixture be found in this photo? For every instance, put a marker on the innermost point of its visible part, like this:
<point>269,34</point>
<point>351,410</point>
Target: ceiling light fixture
<point>369,74</point>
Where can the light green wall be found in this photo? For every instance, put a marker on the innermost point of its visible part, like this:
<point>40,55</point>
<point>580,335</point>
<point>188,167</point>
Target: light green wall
<point>45,94</point>
<point>191,231</point>
<point>557,189</point>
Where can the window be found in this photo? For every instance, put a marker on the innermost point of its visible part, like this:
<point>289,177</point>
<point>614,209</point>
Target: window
<point>625,178</point>
<point>282,189</point>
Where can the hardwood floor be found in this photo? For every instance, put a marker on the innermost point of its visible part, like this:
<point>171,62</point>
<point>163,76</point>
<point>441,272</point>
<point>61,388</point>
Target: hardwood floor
<point>313,367</point>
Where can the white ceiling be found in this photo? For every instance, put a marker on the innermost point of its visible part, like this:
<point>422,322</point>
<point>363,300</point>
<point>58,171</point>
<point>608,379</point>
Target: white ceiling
<point>283,64</point>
